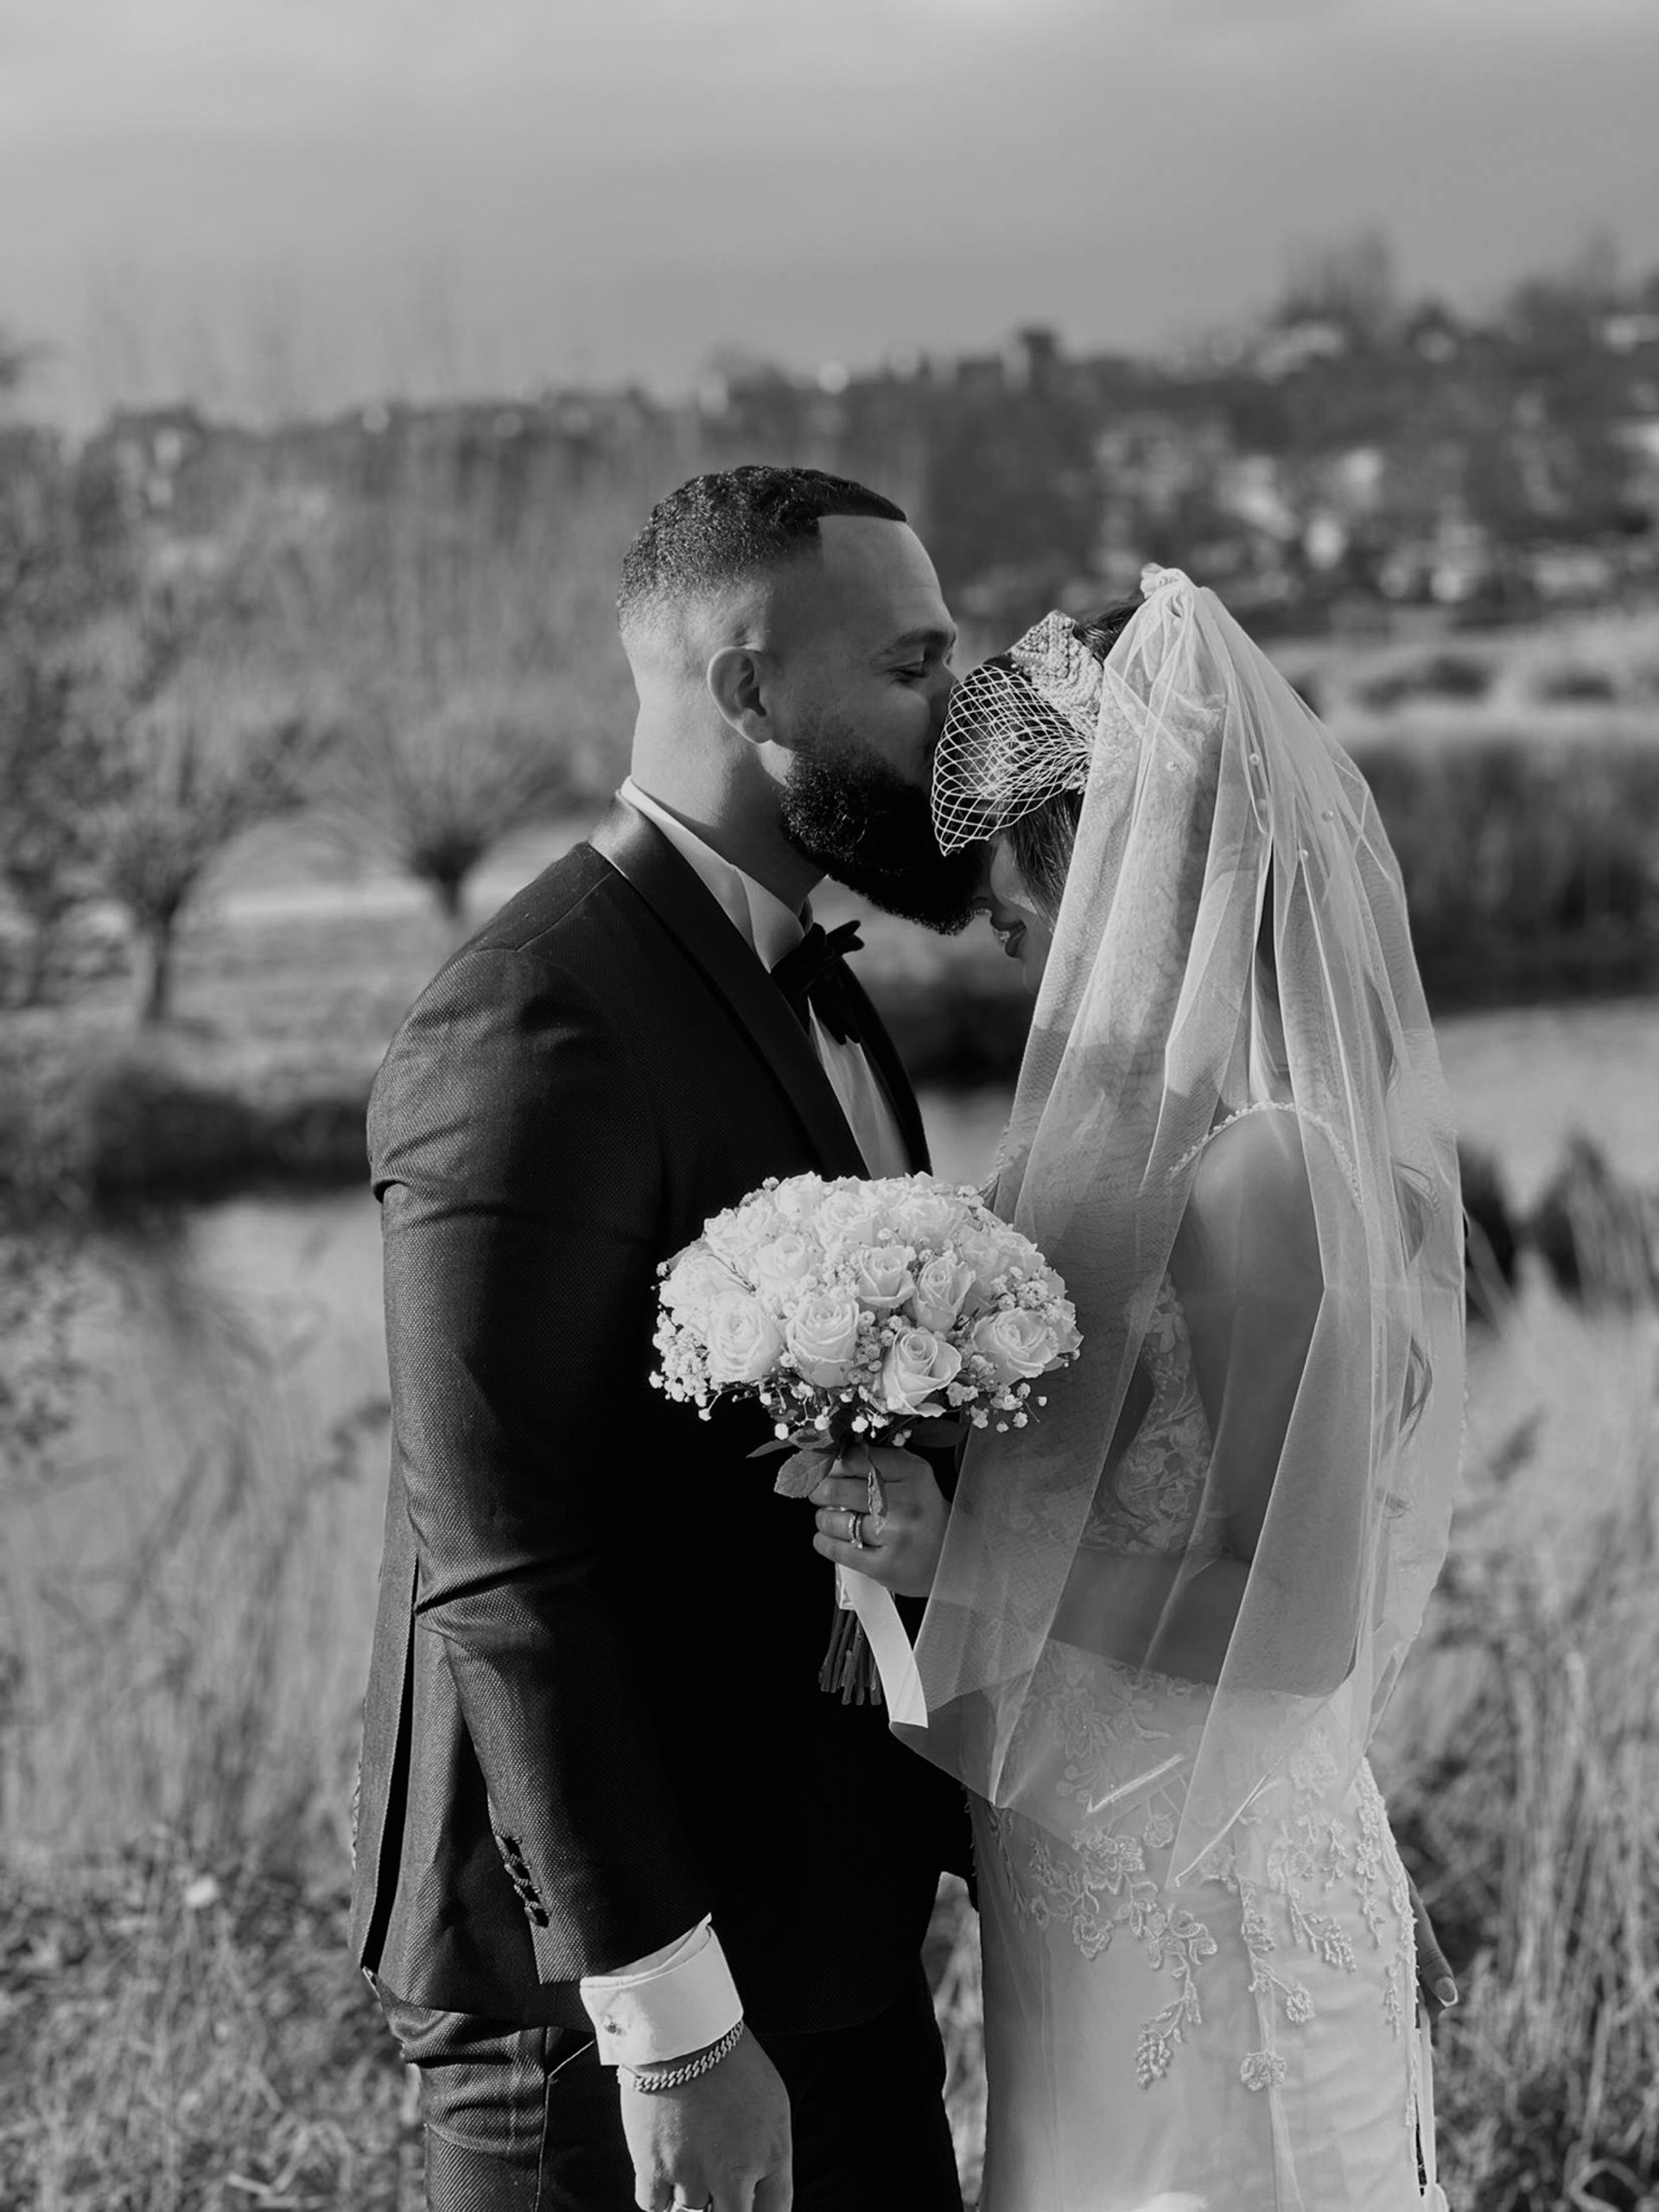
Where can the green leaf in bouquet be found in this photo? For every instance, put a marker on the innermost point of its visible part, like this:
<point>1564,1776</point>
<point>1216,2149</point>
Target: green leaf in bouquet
<point>800,1476</point>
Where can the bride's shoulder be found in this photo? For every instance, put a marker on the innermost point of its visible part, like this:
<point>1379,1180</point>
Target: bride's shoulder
<point>1263,1139</point>
<point>1250,1178</point>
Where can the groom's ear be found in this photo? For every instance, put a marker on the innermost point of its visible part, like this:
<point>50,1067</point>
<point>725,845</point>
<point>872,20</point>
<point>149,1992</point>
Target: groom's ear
<point>736,679</point>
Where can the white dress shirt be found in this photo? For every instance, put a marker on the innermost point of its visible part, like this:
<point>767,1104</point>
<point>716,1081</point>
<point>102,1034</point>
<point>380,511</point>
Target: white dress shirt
<point>771,929</point>
<point>683,1998</point>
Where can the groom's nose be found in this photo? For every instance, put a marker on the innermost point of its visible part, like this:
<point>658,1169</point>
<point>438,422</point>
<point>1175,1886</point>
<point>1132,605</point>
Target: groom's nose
<point>943,686</point>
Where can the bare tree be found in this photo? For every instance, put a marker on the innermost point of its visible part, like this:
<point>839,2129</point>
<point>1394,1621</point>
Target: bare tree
<point>65,557</point>
<point>54,778</point>
<point>437,788</point>
<point>195,752</point>
<point>190,784</point>
<point>480,686</point>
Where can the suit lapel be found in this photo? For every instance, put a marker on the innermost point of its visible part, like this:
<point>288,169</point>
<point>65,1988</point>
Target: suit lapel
<point>638,850</point>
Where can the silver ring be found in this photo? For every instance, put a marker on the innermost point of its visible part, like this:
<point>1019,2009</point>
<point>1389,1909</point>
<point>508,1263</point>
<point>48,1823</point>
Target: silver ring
<point>854,1523</point>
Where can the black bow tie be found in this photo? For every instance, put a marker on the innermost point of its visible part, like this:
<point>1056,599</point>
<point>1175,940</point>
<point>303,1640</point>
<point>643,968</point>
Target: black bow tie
<point>812,975</point>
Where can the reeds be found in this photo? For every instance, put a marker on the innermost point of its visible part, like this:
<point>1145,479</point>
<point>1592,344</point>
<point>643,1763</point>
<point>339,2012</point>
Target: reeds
<point>1597,1235</point>
<point>1535,1818</point>
<point>187,1624</point>
<point>183,1642</point>
<point>1530,859</point>
<point>171,2042</point>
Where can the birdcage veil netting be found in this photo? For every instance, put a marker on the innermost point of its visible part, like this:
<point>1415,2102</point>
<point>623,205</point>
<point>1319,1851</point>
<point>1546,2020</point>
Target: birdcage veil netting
<point>1230,1086</point>
<point>1023,729</point>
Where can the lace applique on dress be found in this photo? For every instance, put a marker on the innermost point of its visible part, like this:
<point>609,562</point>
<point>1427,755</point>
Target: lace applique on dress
<point>1331,1883</point>
<point>1150,1502</point>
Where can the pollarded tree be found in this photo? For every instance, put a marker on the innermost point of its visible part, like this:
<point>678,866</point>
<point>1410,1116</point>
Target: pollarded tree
<point>66,557</point>
<point>479,683</point>
<point>195,753</point>
<point>53,780</point>
<point>438,787</point>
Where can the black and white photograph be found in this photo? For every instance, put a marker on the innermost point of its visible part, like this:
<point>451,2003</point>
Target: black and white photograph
<point>828,1106</point>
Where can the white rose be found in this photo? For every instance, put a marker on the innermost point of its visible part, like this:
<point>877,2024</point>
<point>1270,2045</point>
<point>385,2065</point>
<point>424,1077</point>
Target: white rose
<point>986,1253</point>
<point>797,1200</point>
<point>1068,1337</point>
<point>822,1336</point>
<point>927,1218</point>
<point>788,1260</point>
<point>992,1247</point>
<point>916,1365</point>
<point>1019,1345</point>
<point>744,1340</point>
<point>941,1287</point>
<point>849,1215</point>
<point>741,1230</point>
<point>883,1279</point>
<point>696,1279</point>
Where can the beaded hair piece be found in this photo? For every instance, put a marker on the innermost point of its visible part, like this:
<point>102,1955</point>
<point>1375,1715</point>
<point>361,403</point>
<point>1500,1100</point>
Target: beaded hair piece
<point>1018,730</point>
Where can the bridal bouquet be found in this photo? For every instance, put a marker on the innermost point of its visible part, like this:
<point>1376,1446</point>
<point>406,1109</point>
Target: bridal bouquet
<point>868,1312</point>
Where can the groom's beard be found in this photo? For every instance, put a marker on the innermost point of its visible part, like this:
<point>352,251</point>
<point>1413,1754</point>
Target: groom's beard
<point>860,823</point>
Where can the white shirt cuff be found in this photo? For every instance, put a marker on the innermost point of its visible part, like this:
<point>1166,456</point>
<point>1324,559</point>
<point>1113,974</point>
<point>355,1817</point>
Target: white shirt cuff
<point>677,2001</point>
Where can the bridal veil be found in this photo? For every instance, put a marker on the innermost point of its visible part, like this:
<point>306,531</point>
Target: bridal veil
<point>1231,1085</point>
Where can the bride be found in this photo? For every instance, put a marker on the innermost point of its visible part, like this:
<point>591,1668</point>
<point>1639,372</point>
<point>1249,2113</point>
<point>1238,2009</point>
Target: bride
<point>1167,1615</point>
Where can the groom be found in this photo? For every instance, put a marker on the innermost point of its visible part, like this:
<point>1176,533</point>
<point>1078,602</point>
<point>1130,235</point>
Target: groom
<point>644,1906</point>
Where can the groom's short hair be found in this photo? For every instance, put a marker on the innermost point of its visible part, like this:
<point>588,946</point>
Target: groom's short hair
<point>730,527</point>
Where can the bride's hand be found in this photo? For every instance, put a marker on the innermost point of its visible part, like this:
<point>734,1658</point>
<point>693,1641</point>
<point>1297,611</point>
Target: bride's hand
<point>900,1540</point>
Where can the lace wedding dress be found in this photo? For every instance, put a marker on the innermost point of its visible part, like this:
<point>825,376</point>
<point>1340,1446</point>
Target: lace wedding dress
<point>1231,2045</point>
<point>1232,1137</point>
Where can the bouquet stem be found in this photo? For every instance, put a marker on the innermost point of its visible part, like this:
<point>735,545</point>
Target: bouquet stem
<point>849,1664</point>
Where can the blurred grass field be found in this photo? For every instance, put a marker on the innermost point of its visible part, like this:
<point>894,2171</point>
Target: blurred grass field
<point>177,1731</point>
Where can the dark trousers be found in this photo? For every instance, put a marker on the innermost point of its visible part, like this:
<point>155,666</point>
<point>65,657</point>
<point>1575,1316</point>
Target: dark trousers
<point>527,2120</point>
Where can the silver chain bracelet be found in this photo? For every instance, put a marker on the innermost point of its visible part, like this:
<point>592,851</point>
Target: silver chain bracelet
<point>677,2077</point>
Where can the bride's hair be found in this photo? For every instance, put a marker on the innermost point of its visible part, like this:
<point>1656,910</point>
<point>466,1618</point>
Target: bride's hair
<point>1040,842</point>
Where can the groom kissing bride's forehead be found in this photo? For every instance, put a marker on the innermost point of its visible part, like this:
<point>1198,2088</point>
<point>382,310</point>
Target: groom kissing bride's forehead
<point>801,612</point>
<point>643,1907</point>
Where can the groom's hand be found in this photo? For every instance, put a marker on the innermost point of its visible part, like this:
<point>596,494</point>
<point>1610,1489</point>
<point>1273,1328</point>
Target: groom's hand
<point>900,1541</point>
<point>722,2140</point>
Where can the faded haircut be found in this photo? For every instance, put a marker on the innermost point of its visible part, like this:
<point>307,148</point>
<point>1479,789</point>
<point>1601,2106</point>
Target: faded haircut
<point>728,528</point>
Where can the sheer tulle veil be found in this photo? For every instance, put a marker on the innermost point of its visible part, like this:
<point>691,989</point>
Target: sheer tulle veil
<point>1231,1082</point>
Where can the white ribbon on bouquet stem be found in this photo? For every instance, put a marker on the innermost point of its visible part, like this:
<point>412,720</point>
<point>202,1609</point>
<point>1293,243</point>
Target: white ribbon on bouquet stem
<point>871,1604</point>
<point>895,1662</point>
<point>868,1602</point>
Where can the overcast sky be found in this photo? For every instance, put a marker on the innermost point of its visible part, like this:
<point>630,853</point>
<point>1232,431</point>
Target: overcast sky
<point>293,202</point>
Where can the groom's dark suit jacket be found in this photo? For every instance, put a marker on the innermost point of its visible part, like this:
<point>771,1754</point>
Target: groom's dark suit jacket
<point>593,1712</point>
